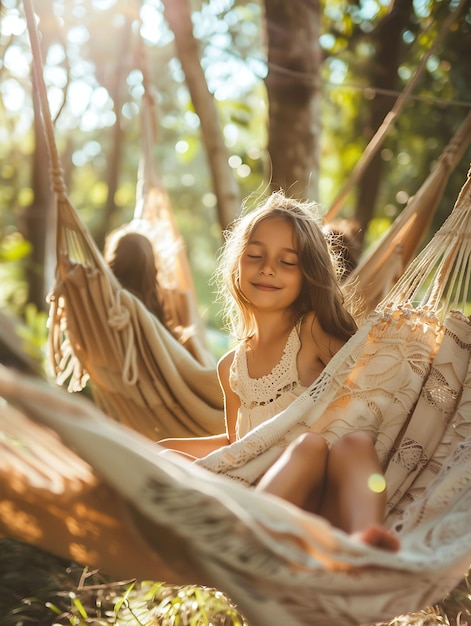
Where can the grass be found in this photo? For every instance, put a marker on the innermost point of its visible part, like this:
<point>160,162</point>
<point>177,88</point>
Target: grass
<point>41,589</point>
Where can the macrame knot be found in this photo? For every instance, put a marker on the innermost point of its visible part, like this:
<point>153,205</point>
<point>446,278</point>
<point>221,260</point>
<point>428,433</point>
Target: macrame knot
<point>58,184</point>
<point>118,317</point>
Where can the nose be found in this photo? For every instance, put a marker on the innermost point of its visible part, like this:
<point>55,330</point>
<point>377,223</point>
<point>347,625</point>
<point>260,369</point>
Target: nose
<point>267,269</point>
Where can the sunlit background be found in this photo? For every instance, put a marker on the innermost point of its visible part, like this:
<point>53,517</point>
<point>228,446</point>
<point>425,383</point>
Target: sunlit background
<point>93,73</point>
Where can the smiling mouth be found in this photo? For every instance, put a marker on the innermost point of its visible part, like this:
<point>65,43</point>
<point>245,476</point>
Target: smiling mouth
<point>264,287</point>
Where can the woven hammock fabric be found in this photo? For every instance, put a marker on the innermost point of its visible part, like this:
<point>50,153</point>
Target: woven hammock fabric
<point>279,564</point>
<point>404,376</point>
<point>141,375</point>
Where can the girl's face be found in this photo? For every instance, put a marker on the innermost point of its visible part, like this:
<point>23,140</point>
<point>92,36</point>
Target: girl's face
<point>269,270</point>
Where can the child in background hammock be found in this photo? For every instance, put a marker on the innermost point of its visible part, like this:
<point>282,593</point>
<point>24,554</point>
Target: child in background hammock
<point>285,306</point>
<point>131,258</point>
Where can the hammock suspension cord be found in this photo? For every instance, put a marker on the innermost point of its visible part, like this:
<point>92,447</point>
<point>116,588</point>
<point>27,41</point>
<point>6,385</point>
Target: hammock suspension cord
<point>378,138</point>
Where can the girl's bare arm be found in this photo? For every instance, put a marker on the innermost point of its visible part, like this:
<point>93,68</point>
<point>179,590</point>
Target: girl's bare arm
<point>231,399</point>
<point>198,447</point>
<point>195,446</point>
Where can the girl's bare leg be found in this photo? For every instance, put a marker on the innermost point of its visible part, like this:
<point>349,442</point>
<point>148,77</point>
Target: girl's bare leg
<point>299,474</point>
<point>351,502</point>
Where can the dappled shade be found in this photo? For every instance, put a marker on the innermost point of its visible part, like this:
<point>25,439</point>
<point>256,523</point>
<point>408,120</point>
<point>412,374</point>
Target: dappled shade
<point>51,498</point>
<point>404,376</point>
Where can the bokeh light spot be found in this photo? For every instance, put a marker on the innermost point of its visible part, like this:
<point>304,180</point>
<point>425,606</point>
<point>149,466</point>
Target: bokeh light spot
<point>376,483</point>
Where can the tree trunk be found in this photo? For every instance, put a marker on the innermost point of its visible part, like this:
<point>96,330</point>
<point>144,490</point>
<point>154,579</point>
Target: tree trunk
<point>39,219</point>
<point>388,43</point>
<point>294,95</point>
<point>115,85</point>
<point>39,222</point>
<point>178,15</point>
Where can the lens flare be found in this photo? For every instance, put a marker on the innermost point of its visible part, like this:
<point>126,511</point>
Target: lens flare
<point>376,483</point>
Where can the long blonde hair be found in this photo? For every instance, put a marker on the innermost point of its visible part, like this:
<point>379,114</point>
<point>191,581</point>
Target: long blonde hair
<point>320,291</point>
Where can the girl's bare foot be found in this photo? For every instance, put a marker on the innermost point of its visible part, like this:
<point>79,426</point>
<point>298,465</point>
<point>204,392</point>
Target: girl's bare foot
<point>379,537</point>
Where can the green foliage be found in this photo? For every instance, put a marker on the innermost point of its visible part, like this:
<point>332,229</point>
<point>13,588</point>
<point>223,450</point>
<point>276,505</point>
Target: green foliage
<point>195,606</point>
<point>86,55</point>
<point>428,121</point>
<point>36,587</point>
<point>376,229</point>
<point>14,250</point>
<point>34,334</point>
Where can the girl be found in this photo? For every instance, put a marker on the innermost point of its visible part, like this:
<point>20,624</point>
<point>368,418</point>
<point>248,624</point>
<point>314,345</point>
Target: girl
<point>132,260</point>
<point>286,309</point>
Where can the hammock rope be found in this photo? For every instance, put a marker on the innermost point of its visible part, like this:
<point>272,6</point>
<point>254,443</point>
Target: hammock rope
<point>447,259</point>
<point>380,269</point>
<point>375,143</point>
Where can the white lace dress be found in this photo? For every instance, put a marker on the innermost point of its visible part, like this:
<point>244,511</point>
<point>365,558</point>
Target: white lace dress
<point>262,398</point>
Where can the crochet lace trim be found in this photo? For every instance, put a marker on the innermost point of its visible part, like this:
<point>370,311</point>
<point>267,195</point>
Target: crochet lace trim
<point>283,377</point>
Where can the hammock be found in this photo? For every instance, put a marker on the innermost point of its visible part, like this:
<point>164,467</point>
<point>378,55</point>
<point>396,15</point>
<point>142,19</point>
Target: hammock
<point>153,218</point>
<point>175,286</point>
<point>382,266</point>
<point>140,374</point>
<point>405,377</point>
